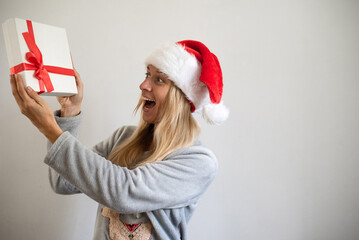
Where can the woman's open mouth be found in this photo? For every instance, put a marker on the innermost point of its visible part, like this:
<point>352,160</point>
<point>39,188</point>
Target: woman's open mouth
<point>149,103</point>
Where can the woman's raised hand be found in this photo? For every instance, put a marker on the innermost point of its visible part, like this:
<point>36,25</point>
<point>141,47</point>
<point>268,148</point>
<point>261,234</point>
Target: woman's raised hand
<point>71,106</point>
<point>35,108</point>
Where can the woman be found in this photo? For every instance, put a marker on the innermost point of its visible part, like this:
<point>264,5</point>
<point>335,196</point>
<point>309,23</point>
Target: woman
<point>146,179</point>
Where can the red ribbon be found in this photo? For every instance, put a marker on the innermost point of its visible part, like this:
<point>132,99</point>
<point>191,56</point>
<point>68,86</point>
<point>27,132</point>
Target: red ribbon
<point>35,58</point>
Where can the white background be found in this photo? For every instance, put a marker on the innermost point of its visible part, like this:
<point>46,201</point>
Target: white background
<point>288,153</point>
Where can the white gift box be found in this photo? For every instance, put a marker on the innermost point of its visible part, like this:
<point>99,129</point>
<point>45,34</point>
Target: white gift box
<point>53,45</point>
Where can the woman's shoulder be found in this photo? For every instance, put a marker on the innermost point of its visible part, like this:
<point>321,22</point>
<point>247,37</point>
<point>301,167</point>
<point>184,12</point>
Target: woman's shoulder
<point>197,152</point>
<point>127,129</point>
<point>117,137</point>
<point>120,135</point>
<point>196,148</point>
<point>124,132</point>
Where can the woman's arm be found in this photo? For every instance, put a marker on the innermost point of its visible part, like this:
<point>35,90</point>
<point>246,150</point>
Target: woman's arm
<point>175,182</point>
<point>41,115</point>
<point>69,124</point>
<point>58,183</point>
<point>69,119</point>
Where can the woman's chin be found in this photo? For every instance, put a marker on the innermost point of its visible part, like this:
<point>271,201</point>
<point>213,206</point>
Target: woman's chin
<point>149,115</point>
<point>147,119</point>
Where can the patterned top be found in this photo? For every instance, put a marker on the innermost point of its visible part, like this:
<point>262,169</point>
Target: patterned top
<point>119,230</point>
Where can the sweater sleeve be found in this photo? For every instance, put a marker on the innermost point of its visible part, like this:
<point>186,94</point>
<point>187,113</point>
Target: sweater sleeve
<point>59,184</point>
<point>177,181</point>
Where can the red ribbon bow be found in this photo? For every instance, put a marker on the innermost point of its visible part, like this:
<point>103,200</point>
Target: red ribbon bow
<point>35,58</point>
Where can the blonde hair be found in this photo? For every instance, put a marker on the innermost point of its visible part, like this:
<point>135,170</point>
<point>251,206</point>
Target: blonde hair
<point>176,129</point>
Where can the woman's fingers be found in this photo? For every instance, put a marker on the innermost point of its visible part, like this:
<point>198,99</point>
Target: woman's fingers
<point>77,99</point>
<point>21,89</point>
<point>77,75</point>
<point>32,94</point>
<point>79,82</point>
<point>27,99</point>
<point>14,90</point>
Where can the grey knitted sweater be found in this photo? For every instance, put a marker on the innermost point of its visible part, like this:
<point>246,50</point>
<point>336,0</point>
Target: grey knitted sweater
<point>164,193</point>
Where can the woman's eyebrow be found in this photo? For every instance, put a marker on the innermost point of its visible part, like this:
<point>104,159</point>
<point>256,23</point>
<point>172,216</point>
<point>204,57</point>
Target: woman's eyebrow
<point>163,74</point>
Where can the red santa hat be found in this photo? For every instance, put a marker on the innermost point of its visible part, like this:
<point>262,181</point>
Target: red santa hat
<point>196,71</point>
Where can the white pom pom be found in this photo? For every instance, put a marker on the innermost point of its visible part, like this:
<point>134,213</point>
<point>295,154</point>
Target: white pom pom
<point>215,113</point>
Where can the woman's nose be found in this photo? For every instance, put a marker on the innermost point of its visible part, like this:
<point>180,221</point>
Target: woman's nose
<point>146,85</point>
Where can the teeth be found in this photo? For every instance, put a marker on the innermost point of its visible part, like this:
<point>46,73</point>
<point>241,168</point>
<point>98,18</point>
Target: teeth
<point>147,99</point>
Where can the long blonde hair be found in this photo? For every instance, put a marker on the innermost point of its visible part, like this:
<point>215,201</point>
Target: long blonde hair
<point>176,129</point>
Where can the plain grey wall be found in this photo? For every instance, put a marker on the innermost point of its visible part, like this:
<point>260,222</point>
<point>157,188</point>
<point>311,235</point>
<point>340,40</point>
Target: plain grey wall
<point>288,153</point>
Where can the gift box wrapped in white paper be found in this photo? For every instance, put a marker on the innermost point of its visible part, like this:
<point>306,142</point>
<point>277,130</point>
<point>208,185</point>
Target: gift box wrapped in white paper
<point>40,53</point>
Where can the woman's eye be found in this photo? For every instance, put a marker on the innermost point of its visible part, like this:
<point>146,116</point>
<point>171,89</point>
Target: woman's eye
<point>160,80</point>
<point>147,74</point>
